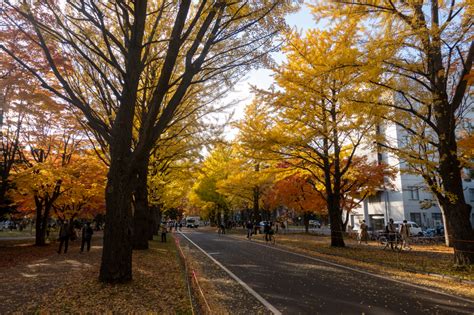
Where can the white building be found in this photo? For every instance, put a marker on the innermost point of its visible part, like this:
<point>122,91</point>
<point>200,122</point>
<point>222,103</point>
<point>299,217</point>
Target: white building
<point>408,198</point>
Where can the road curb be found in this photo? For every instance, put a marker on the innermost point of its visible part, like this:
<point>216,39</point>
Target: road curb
<point>262,300</point>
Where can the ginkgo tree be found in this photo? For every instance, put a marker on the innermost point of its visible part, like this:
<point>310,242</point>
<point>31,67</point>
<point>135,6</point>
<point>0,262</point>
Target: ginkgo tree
<point>214,169</point>
<point>426,51</point>
<point>51,165</point>
<point>110,50</point>
<point>310,119</point>
<point>246,183</point>
<point>83,184</point>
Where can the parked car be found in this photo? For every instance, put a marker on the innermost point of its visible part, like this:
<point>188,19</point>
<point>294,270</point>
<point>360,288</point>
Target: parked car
<point>437,231</point>
<point>315,223</point>
<point>415,229</point>
<point>7,225</point>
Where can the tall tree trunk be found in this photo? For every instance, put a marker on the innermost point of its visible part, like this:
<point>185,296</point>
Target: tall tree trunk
<point>116,265</point>
<point>152,223</point>
<point>40,234</point>
<point>156,220</point>
<point>457,211</point>
<point>460,232</point>
<point>335,219</point>
<point>447,241</point>
<point>142,215</point>
<point>255,209</point>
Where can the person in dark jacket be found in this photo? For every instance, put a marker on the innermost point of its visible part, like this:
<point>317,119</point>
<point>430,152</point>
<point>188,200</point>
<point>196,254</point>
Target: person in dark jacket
<point>266,229</point>
<point>64,235</point>
<point>164,230</point>
<point>249,229</point>
<point>86,236</point>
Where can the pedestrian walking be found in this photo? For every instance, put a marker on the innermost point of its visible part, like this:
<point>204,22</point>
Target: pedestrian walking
<point>363,233</point>
<point>64,235</point>
<point>405,234</point>
<point>164,230</point>
<point>266,230</point>
<point>391,232</point>
<point>86,236</point>
<point>283,226</point>
<point>249,227</point>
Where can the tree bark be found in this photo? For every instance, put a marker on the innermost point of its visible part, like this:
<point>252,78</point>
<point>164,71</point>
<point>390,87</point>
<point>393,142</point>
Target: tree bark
<point>156,220</point>
<point>142,216</point>
<point>116,264</point>
<point>457,211</point>
<point>40,234</point>
<point>461,237</point>
<point>335,219</point>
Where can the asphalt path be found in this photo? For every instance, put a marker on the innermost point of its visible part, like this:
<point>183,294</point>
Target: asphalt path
<point>297,284</point>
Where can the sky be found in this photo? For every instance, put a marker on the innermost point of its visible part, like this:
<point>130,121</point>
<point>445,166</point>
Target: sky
<point>262,78</point>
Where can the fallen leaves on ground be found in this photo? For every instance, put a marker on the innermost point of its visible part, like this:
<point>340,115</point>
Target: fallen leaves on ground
<point>158,286</point>
<point>69,284</point>
<point>13,252</point>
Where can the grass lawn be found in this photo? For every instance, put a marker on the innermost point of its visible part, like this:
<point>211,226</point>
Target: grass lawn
<point>17,233</point>
<point>407,265</point>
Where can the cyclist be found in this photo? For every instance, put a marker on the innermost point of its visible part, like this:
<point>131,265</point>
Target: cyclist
<point>221,229</point>
<point>270,234</point>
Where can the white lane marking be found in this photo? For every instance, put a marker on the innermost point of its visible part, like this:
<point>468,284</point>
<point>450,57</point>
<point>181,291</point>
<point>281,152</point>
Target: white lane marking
<point>365,272</point>
<point>243,284</point>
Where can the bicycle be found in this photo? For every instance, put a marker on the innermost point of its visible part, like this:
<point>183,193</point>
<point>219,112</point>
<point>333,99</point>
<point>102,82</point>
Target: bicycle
<point>270,237</point>
<point>394,241</point>
<point>221,230</point>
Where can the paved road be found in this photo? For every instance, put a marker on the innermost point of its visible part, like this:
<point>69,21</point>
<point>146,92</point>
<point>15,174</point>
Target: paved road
<point>294,284</point>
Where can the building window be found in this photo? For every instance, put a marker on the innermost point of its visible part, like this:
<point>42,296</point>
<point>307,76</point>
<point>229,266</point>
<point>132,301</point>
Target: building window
<point>374,198</point>
<point>436,216</point>
<point>414,193</point>
<point>376,222</point>
<point>415,217</point>
<point>471,194</point>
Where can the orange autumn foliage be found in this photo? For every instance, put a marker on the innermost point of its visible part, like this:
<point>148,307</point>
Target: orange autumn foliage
<point>297,193</point>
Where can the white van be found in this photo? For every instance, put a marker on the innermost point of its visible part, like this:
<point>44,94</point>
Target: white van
<point>192,221</point>
<point>415,229</point>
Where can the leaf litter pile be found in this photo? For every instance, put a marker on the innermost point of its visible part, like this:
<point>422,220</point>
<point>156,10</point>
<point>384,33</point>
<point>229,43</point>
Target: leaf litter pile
<point>68,283</point>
